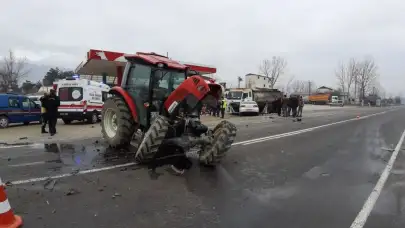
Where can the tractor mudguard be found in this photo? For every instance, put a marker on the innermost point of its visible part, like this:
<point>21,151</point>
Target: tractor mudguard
<point>128,100</point>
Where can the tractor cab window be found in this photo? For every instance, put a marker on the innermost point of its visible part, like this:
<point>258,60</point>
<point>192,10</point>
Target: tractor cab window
<point>166,81</point>
<point>138,81</point>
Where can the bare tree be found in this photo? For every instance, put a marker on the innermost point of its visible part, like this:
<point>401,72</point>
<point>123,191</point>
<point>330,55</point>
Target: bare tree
<point>12,70</point>
<point>366,76</point>
<point>341,75</point>
<point>299,86</point>
<point>273,69</point>
<point>352,73</point>
<point>287,89</point>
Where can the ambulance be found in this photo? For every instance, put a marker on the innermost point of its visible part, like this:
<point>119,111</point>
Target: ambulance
<point>81,99</point>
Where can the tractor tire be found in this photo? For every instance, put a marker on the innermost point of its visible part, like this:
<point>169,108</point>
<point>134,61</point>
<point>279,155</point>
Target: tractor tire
<point>152,140</point>
<point>228,125</point>
<point>117,123</point>
<point>223,136</point>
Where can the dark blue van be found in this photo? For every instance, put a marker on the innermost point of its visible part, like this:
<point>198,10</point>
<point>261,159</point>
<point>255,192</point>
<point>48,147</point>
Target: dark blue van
<point>15,108</point>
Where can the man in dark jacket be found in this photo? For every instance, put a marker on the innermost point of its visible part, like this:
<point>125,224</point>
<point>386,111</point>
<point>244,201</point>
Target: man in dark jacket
<point>294,105</point>
<point>51,106</point>
<point>284,104</point>
<point>44,115</point>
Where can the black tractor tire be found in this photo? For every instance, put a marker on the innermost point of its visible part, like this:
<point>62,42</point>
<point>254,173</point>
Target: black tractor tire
<point>67,121</point>
<point>152,140</point>
<point>126,125</point>
<point>223,136</point>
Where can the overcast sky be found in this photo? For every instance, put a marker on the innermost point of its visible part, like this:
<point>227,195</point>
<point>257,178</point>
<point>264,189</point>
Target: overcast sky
<point>233,35</point>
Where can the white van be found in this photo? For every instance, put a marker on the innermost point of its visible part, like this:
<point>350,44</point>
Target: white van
<point>81,99</point>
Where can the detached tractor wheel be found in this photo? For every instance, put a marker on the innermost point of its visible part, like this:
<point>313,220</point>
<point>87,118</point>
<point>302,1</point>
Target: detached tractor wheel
<point>152,140</point>
<point>223,136</point>
<point>117,124</point>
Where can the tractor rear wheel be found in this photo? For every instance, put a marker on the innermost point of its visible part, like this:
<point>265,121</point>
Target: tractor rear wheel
<point>223,136</point>
<point>117,123</point>
<point>152,140</point>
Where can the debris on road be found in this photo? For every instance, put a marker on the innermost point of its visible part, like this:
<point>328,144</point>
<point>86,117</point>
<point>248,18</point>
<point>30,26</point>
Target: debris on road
<point>115,195</point>
<point>72,191</point>
<point>50,184</point>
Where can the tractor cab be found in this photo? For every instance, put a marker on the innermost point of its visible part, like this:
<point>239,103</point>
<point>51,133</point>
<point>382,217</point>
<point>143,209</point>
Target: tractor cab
<point>149,79</point>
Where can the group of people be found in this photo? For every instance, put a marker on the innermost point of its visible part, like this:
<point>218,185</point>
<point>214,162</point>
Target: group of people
<point>289,106</point>
<point>218,110</point>
<point>49,110</point>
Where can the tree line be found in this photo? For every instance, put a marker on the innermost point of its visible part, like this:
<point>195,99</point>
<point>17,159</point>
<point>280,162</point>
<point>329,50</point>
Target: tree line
<point>14,70</point>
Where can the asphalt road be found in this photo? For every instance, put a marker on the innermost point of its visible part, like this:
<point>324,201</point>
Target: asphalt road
<point>279,173</point>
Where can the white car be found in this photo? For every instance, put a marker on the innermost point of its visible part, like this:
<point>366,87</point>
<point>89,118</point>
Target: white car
<point>35,99</point>
<point>248,107</point>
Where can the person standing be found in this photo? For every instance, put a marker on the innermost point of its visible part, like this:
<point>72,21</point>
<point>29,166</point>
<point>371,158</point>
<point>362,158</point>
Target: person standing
<point>284,104</point>
<point>300,106</point>
<point>294,105</point>
<point>44,117</point>
<point>51,106</point>
<point>223,107</point>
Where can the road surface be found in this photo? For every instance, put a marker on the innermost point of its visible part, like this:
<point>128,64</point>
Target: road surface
<point>335,169</point>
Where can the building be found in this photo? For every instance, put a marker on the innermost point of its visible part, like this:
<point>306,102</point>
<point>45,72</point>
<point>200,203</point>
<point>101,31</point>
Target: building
<point>257,81</point>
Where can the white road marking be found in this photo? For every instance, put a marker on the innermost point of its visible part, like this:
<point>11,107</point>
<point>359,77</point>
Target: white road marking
<point>258,140</point>
<point>368,206</point>
<point>71,174</point>
<point>28,164</point>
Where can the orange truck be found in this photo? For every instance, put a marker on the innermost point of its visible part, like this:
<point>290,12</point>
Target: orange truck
<point>322,98</point>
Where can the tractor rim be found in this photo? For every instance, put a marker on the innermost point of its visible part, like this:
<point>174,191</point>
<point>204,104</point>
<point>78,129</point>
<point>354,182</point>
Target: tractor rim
<point>110,123</point>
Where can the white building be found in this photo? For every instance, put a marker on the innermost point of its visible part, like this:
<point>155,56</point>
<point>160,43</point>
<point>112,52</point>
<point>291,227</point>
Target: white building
<point>257,81</point>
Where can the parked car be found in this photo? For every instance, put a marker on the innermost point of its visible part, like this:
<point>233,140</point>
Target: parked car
<point>35,98</point>
<point>15,108</point>
<point>248,107</point>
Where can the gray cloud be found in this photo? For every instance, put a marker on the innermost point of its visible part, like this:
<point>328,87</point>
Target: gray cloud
<point>235,35</point>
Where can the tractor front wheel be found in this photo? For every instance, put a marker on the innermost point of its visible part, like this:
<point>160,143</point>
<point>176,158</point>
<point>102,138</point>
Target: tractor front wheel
<point>117,124</point>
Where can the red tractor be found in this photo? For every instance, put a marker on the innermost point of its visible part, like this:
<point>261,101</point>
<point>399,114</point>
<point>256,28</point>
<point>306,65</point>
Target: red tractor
<point>162,99</point>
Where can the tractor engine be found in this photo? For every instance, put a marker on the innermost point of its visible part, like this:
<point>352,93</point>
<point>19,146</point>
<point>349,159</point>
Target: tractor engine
<point>178,129</point>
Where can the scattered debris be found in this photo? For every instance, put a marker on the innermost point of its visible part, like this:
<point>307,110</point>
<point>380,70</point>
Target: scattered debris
<point>22,138</point>
<point>8,183</point>
<point>54,211</point>
<point>325,174</point>
<point>47,202</point>
<point>115,195</point>
<point>50,184</point>
<point>387,149</point>
<point>8,159</point>
<point>123,169</point>
<point>72,191</point>
<point>101,189</point>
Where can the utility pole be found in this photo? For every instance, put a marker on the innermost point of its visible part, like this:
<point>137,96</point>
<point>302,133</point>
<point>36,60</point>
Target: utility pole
<point>309,88</point>
<point>239,80</point>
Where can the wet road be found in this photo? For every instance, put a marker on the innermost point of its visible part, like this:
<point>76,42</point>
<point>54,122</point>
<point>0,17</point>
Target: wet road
<point>314,173</point>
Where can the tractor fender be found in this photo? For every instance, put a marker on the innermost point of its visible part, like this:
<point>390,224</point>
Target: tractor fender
<point>119,91</point>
